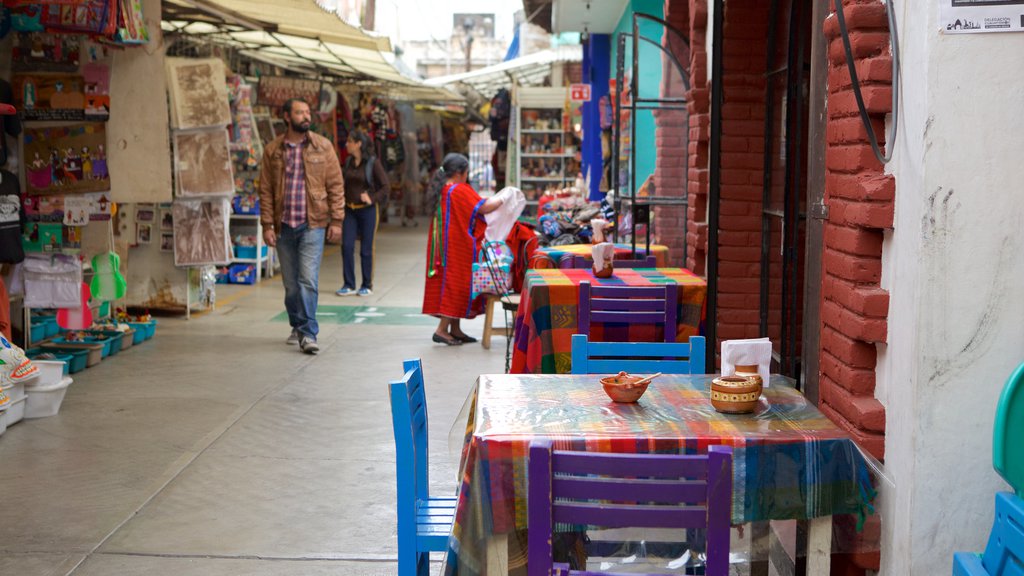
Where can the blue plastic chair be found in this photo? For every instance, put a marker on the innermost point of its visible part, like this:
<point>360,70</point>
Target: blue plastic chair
<point>1004,555</point>
<point>638,357</point>
<point>424,523</point>
<point>591,489</point>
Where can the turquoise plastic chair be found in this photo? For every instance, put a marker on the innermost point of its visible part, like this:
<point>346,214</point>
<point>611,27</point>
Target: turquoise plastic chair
<point>1008,440</point>
<point>638,357</point>
<point>1004,554</point>
<point>424,523</point>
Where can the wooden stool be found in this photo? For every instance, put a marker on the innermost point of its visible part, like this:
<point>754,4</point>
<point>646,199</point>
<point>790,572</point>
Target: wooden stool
<point>489,327</point>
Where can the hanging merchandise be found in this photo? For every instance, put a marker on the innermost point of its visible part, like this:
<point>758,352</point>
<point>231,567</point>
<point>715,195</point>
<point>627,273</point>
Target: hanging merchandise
<point>11,250</point>
<point>93,17</point>
<point>500,116</point>
<point>78,317</point>
<point>66,159</point>
<point>27,17</point>
<point>394,153</point>
<point>131,26</point>
<point>202,162</point>
<point>52,281</point>
<point>201,232</point>
<point>40,52</point>
<point>9,122</point>
<point>199,95</point>
<point>107,282</point>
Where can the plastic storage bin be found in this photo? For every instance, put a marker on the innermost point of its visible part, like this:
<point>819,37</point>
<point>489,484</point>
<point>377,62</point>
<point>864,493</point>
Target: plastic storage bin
<point>147,329</point>
<point>249,252</point>
<point>242,274</point>
<point>114,336</point>
<point>16,410</point>
<point>43,401</point>
<point>93,352</point>
<point>50,372</point>
<point>38,332</point>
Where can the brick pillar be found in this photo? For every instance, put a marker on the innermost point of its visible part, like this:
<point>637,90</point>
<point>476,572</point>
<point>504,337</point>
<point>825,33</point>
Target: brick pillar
<point>671,127</point>
<point>739,236</point>
<point>860,199</point>
<point>699,108</point>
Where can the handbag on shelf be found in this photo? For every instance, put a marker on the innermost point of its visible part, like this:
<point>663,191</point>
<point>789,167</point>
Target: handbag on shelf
<point>492,270</point>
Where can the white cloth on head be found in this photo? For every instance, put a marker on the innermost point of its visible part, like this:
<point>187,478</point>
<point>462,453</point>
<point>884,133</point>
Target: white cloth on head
<point>500,222</point>
<point>752,352</point>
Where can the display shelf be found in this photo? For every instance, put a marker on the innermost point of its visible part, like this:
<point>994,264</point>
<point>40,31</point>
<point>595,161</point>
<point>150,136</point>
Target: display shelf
<point>265,265</point>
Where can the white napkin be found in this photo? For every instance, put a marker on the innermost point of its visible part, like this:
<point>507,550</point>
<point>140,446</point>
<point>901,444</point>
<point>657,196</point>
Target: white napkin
<point>756,351</point>
<point>600,253</point>
<point>598,225</point>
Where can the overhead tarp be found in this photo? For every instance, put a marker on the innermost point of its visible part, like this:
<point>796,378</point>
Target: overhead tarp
<point>529,70</point>
<point>295,35</point>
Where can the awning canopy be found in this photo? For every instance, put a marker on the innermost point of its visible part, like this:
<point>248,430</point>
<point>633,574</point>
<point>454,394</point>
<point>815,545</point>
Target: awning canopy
<point>529,70</point>
<point>295,35</point>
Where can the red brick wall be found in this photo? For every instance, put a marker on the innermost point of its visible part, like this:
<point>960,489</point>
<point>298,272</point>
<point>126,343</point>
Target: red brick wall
<point>671,162</point>
<point>860,200</point>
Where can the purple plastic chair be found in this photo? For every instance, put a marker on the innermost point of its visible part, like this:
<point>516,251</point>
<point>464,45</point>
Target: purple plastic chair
<point>629,305</point>
<point>628,490</point>
<point>575,261</point>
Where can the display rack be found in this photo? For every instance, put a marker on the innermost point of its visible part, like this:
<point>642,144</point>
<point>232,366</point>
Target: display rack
<point>545,144</point>
<point>265,265</point>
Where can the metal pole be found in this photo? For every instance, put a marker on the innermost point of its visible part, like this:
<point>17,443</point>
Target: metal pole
<point>620,63</point>
<point>634,93</point>
<point>766,194</point>
<point>714,179</point>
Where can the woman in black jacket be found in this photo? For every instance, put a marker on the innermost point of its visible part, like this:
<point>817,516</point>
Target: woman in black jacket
<point>366,187</point>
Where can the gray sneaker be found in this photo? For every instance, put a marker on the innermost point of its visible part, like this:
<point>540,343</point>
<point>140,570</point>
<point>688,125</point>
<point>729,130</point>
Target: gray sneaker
<point>293,339</point>
<point>309,345</point>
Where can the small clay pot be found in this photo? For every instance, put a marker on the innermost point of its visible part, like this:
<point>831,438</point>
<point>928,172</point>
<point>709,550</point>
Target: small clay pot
<point>621,388</point>
<point>604,272</point>
<point>735,394</point>
<point>750,372</point>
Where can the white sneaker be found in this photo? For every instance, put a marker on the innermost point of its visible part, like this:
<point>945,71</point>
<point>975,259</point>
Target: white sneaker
<point>309,345</point>
<point>293,339</point>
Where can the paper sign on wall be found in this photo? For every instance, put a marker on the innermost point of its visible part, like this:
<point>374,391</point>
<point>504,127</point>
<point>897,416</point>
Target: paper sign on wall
<point>975,16</point>
<point>77,210</point>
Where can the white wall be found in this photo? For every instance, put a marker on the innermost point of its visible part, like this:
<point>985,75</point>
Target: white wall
<point>954,265</point>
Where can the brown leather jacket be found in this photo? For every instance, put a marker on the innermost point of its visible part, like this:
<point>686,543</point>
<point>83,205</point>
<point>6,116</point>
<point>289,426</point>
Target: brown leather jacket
<point>325,187</point>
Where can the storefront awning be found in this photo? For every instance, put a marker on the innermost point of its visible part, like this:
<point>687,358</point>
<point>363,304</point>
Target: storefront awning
<point>529,70</point>
<point>296,35</point>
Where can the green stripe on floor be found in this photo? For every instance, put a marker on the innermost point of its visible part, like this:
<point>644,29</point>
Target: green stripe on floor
<point>375,315</point>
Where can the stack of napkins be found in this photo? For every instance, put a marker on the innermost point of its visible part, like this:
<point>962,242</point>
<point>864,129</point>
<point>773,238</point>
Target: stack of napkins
<point>753,352</point>
<point>601,252</point>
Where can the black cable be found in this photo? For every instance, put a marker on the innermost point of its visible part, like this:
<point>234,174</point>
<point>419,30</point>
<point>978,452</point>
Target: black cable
<point>855,82</point>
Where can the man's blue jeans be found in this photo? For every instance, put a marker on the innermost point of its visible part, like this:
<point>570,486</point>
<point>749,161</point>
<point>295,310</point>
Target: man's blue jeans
<point>300,251</point>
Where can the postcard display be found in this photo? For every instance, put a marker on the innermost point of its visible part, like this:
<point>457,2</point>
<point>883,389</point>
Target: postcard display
<point>55,186</point>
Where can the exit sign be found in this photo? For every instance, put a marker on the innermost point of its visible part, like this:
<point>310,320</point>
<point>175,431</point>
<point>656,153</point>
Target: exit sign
<point>579,92</point>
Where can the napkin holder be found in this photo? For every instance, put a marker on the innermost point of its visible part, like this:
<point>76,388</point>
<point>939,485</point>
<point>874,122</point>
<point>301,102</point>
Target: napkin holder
<point>603,255</point>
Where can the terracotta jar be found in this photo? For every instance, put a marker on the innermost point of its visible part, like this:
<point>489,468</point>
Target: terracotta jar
<point>605,271</point>
<point>750,372</point>
<point>735,394</point>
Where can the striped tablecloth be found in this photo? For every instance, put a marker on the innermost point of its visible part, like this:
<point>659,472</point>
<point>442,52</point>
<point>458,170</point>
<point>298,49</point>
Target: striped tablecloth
<point>789,460</point>
<point>550,257</point>
<point>548,309</point>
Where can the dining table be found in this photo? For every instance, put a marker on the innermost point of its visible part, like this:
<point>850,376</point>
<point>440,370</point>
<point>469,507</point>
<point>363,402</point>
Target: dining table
<point>789,460</point>
<point>559,256</point>
<point>549,307</point>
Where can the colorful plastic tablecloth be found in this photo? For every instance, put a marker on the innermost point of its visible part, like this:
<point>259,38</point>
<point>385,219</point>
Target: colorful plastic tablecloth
<point>789,460</point>
<point>548,309</point>
<point>551,256</point>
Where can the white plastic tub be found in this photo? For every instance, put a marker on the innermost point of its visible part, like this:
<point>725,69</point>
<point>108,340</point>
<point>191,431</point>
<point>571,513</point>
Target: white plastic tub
<point>16,411</point>
<point>16,391</point>
<point>50,372</point>
<point>3,419</point>
<point>43,401</point>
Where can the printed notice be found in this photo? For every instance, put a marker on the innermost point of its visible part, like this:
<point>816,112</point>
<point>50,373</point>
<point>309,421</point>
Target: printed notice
<point>976,16</point>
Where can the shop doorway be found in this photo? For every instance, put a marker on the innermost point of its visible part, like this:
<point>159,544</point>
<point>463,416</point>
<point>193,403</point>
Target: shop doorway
<point>785,185</point>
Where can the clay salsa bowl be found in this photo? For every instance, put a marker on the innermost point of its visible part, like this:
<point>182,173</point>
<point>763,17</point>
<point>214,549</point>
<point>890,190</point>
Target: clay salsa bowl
<point>622,387</point>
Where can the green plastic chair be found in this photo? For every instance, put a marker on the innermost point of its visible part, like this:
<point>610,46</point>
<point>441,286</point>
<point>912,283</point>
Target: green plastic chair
<point>1007,448</point>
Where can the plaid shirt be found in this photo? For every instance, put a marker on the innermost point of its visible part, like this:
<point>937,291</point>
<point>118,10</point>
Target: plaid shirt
<point>294,184</point>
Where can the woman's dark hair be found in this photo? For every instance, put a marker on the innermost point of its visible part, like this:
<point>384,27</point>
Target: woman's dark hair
<point>453,164</point>
<point>365,144</point>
